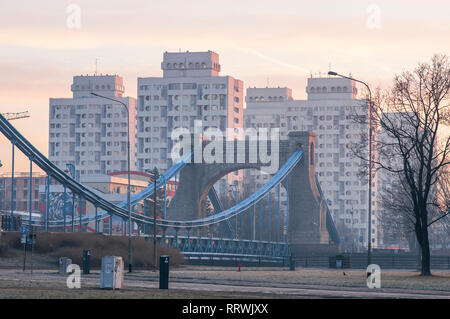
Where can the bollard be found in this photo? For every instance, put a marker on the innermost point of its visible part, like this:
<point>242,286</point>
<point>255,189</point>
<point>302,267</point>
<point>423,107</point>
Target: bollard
<point>291,263</point>
<point>86,262</point>
<point>64,262</point>
<point>163,272</point>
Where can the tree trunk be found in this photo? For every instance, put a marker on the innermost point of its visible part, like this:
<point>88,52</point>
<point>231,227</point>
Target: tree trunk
<point>426,258</point>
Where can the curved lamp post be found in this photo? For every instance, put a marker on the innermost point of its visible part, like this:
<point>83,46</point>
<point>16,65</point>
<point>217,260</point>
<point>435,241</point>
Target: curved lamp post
<point>369,239</point>
<point>130,256</point>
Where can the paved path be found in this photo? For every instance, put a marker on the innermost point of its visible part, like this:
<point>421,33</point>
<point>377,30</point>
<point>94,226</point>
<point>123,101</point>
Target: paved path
<point>283,290</point>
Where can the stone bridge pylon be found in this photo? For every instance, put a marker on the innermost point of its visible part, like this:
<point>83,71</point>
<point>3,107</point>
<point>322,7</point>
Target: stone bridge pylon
<point>307,229</point>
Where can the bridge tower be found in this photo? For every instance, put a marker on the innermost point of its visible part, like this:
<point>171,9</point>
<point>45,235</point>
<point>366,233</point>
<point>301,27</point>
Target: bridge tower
<point>307,229</point>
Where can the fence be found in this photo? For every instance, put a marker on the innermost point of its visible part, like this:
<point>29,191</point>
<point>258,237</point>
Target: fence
<point>385,261</point>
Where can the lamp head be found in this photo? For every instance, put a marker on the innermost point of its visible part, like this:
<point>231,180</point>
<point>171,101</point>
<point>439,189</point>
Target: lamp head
<point>332,73</point>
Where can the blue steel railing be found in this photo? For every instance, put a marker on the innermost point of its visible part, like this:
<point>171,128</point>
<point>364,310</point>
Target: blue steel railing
<point>213,246</point>
<point>110,209</point>
<point>188,244</point>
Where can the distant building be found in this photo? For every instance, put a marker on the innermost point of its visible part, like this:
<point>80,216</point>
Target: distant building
<point>190,89</point>
<point>21,191</point>
<point>91,132</point>
<point>327,111</point>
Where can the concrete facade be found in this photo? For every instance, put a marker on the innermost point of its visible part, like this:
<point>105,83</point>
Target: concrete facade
<point>21,191</point>
<point>328,112</point>
<point>91,132</point>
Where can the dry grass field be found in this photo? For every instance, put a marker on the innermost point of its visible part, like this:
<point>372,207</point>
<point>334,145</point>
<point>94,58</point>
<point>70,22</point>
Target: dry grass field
<point>50,246</point>
<point>307,276</point>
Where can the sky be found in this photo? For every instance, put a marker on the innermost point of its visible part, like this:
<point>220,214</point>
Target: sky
<point>44,43</point>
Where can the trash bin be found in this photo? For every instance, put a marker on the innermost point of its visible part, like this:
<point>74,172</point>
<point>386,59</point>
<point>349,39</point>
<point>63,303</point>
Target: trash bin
<point>111,276</point>
<point>86,261</point>
<point>163,272</point>
<point>64,262</point>
<point>340,261</point>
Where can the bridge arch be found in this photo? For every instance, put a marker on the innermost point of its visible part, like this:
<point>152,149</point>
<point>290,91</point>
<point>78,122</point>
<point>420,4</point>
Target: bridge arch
<point>307,229</point>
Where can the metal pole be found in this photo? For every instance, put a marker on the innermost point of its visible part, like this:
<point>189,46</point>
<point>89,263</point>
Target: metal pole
<point>96,219</point>
<point>351,252</point>
<point>154,222</point>
<point>254,220</point>
<point>279,207</point>
<point>80,198</point>
<point>235,203</point>
<point>287,208</point>
<point>369,235</point>
<point>12,188</point>
<point>25,252</point>
<point>47,201</point>
<point>175,201</point>
<point>31,190</point>
<point>65,207</point>
<point>32,250</point>
<point>130,255</point>
<point>369,246</point>
<point>260,221</point>
<point>30,207</point>
<point>235,218</point>
<point>253,223</point>
<point>165,196</point>
<point>110,224</point>
<point>73,212</point>
<point>270,218</point>
<point>146,229</point>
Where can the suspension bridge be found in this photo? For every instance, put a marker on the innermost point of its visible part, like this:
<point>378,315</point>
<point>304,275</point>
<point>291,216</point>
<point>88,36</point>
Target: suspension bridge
<point>264,232</point>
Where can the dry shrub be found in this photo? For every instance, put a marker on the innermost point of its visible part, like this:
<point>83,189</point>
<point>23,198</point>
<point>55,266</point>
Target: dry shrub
<point>71,245</point>
<point>7,246</point>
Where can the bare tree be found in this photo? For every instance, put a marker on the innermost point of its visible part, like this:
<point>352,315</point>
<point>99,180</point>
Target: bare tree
<point>441,213</point>
<point>396,212</point>
<point>413,144</point>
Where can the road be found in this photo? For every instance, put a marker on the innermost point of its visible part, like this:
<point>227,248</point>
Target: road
<point>243,287</point>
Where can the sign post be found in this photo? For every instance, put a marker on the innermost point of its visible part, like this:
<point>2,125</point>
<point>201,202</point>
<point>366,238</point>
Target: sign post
<point>31,241</point>
<point>23,240</point>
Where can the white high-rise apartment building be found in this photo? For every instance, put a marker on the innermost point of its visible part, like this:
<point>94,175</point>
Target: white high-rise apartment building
<point>190,89</point>
<point>91,132</point>
<point>328,112</point>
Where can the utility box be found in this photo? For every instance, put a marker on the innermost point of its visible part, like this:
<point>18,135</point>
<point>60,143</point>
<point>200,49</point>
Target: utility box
<point>163,272</point>
<point>112,273</point>
<point>64,262</point>
<point>86,261</point>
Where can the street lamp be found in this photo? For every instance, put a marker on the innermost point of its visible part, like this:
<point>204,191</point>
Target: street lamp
<point>130,256</point>
<point>369,244</point>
